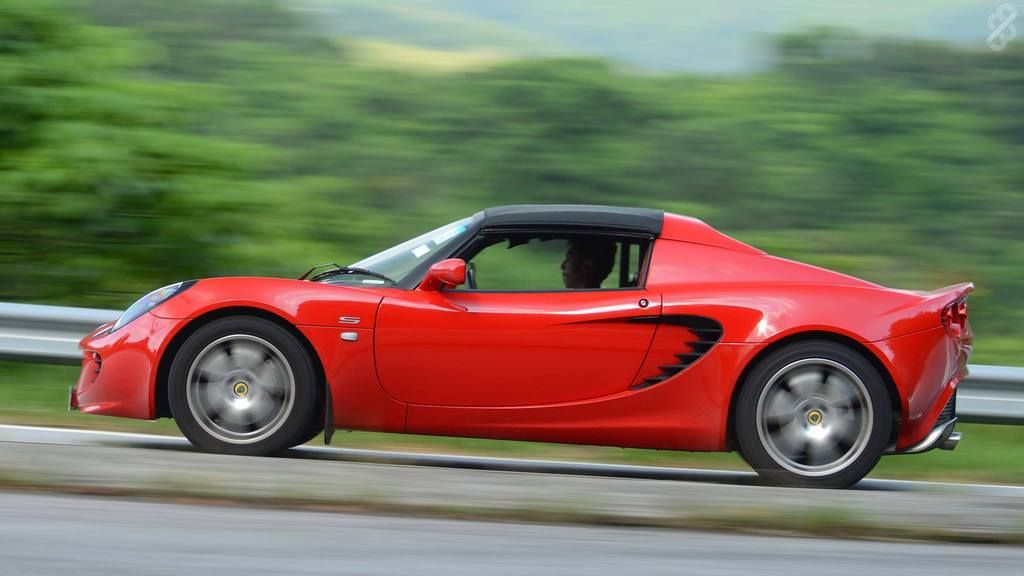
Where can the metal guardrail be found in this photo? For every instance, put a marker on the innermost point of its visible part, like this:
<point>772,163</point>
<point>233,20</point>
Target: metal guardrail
<point>990,394</point>
<point>47,333</point>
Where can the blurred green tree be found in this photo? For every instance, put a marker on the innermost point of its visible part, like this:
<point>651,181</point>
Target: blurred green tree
<point>105,187</point>
<point>143,141</point>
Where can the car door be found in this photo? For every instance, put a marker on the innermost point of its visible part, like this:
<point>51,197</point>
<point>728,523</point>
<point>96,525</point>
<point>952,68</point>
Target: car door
<point>469,348</point>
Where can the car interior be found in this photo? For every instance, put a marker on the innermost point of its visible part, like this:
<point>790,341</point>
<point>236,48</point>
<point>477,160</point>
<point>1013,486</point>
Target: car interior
<point>532,261</point>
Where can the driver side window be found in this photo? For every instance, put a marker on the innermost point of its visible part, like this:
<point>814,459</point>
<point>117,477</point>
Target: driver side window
<point>533,262</point>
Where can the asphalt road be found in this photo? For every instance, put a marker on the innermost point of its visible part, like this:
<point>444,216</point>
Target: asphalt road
<point>80,437</point>
<point>134,463</point>
<point>85,536</point>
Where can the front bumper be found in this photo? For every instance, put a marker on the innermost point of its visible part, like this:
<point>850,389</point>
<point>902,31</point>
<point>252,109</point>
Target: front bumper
<point>119,370</point>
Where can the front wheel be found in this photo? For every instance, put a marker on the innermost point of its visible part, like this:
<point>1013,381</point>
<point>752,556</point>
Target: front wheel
<point>813,413</point>
<point>243,385</point>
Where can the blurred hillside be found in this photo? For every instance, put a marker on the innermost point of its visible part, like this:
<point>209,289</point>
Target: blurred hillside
<point>669,35</point>
<point>144,141</point>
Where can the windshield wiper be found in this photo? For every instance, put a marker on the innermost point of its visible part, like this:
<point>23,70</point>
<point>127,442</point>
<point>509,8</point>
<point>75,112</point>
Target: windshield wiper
<point>345,270</point>
<point>310,271</point>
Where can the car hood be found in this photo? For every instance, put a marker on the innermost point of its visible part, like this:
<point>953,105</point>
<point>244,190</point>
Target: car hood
<point>299,302</point>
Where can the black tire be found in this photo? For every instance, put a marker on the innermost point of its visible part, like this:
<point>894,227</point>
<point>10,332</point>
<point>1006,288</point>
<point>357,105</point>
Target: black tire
<point>813,413</point>
<point>314,429</point>
<point>237,364</point>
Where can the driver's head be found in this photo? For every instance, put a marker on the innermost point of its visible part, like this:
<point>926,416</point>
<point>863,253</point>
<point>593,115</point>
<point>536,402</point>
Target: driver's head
<point>588,262</point>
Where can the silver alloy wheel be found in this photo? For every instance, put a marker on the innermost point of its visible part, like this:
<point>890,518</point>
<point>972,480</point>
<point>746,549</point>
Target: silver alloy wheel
<point>240,389</point>
<point>814,417</point>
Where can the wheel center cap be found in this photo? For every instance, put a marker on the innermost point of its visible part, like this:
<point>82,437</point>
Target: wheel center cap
<point>814,417</point>
<point>241,389</point>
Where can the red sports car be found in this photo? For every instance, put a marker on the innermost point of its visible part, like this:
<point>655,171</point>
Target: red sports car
<point>552,323</point>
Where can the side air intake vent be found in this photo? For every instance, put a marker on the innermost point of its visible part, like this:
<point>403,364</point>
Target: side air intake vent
<point>704,334</point>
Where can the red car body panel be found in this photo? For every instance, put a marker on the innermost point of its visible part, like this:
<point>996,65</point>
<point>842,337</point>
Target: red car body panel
<point>119,369</point>
<point>357,399</point>
<point>300,303</point>
<point>565,366</point>
<point>683,413</point>
<point>514,349</point>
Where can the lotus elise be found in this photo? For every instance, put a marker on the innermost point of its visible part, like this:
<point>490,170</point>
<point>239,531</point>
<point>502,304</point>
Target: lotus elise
<point>553,323</point>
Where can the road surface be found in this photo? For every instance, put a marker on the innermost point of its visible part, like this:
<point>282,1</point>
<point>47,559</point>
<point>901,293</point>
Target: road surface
<point>92,536</point>
<point>133,464</point>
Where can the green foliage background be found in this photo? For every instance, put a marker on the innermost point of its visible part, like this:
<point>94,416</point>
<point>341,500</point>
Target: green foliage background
<point>145,141</point>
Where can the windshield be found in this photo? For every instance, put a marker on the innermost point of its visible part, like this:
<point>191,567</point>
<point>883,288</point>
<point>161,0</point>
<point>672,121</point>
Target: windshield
<point>398,261</point>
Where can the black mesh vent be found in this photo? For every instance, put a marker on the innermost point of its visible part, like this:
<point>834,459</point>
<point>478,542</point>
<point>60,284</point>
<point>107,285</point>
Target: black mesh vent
<point>707,333</point>
<point>949,411</point>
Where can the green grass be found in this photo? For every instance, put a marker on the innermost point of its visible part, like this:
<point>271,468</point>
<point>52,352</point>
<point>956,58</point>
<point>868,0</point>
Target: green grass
<point>1002,351</point>
<point>37,394</point>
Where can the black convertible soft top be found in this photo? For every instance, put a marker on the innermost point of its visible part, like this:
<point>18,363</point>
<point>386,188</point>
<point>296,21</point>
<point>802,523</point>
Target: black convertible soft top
<point>644,220</point>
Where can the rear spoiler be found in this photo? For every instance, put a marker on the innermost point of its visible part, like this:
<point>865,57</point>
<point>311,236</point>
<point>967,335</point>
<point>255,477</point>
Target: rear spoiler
<point>927,309</point>
<point>949,293</point>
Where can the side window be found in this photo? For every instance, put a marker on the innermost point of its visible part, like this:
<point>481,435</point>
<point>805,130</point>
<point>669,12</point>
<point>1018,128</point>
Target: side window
<point>634,262</point>
<point>517,264</point>
<point>530,262</point>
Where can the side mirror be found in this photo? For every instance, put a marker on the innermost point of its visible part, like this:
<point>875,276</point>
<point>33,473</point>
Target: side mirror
<point>445,274</point>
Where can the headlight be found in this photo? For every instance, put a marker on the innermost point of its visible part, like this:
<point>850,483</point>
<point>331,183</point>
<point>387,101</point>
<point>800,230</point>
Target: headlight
<point>150,301</point>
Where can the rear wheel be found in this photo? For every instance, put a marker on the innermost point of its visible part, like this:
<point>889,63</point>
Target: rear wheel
<point>243,385</point>
<point>814,413</point>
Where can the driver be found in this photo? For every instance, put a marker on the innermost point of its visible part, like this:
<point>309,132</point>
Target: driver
<point>588,262</point>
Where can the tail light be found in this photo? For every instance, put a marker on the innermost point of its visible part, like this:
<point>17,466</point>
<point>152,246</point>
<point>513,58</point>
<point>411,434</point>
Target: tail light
<point>93,363</point>
<point>954,318</point>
